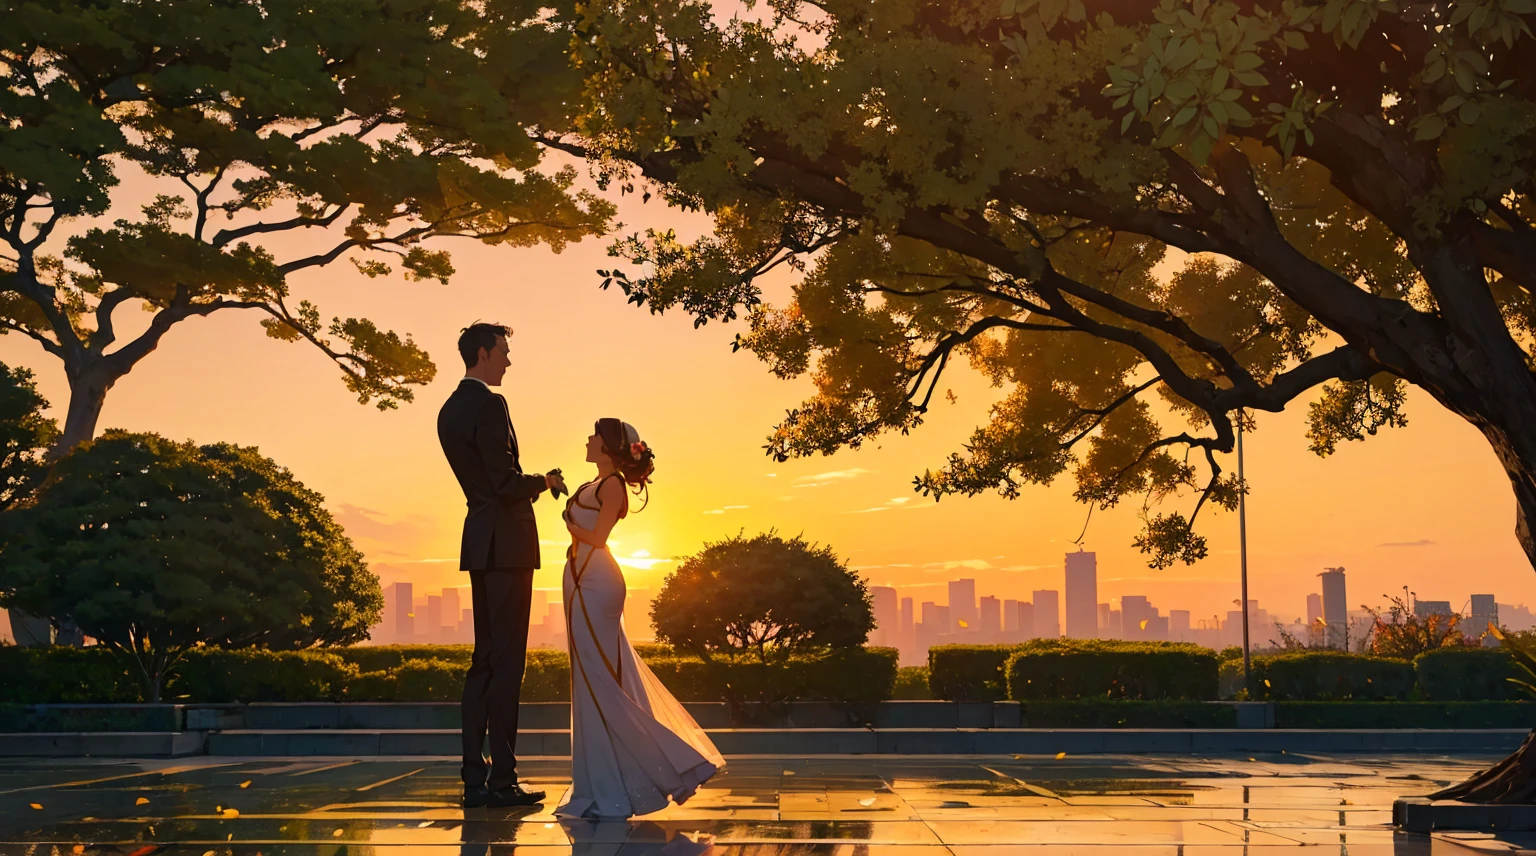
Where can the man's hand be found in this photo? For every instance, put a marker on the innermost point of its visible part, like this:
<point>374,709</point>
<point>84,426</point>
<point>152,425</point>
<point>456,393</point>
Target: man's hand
<point>555,481</point>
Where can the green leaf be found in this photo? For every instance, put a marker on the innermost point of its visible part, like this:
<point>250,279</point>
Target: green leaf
<point>1428,127</point>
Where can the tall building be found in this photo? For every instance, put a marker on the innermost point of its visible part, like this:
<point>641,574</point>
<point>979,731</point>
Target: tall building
<point>432,622</point>
<point>883,601</point>
<point>1314,609</point>
<point>1104,622</point>
<point>1010,616</point>
<point>405,613</point>
<point>962,604</point>
<point>1426,608</point>
<point>1027,620</point>
<point>989,618</point>
<point>1082,592</point>
<point>1178,625</point>
<point>906,617</point>
<point>1047,614</point>
<point>1485,614</point>
<point>1335,609</point>
<point>452,606</point>
<point>1136,614</point>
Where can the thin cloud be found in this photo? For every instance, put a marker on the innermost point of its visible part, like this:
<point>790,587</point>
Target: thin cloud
<point>1422,542</point>
<point>896,504</point>
<point>724,509</point>
<point>970,564</point>
<point>641,560</point>
<point>822,479</point>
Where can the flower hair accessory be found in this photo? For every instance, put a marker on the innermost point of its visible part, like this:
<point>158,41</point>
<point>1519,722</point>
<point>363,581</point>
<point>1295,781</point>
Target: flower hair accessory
<point>637,449</point>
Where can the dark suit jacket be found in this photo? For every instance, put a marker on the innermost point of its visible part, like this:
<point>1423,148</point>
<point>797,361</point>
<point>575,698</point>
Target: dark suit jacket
<point>476,432</point>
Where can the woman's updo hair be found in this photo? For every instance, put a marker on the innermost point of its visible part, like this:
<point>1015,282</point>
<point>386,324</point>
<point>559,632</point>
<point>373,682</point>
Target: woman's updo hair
<point>630,455</point>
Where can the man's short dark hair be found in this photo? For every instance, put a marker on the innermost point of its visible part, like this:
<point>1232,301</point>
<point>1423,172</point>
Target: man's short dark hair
<point>479,335</point>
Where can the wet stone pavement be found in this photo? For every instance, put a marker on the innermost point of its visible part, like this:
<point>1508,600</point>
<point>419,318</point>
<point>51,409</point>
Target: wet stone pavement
<point>877,805</point>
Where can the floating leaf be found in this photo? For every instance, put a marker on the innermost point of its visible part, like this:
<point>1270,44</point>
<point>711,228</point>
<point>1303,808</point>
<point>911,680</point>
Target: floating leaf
<point>231,812</point>
<point>1060,755</point>
<point>37,806</point>
<point>424,824</point>
<point>141,801</point>
<point>867,801</point>
<point>337,833</point>
<point>246,783</point>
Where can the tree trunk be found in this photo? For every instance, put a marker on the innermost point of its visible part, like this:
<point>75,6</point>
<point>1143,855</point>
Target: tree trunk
<point>87,396</point>
<point>1512,780</point>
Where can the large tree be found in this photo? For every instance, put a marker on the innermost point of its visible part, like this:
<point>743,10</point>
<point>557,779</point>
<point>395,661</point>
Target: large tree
<point>155,547</point>
<point>1339,191</point>
<point>346,130</point>
<point>26,434</point>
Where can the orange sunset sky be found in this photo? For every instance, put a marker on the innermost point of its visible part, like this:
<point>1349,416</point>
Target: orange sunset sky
<point>1424,506</point>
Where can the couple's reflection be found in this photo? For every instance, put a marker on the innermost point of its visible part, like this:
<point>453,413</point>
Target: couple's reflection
<point>500,833</point>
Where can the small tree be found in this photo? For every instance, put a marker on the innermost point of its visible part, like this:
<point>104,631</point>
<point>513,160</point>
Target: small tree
<point>1404,634</point>
<point>25,435</point>
<point>155,547</point>
<point>764,596</point>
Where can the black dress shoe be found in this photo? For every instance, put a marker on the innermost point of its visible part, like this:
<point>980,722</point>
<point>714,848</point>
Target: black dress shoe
<point>514,795</point>
<point>476,796</point>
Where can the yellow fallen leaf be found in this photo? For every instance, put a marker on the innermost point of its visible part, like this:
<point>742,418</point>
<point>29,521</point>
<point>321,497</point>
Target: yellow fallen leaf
<point>1253,759</point>
<point>207,853</point>
<point>231,812</point>
<point>1267,683</point>
<point>217,809</point>
<point>336,834</point>
<point>1060,755</point>
<point>37,806</point>
<point>246,783</point>
<point>867,801</point>
<point>141,801</point>
<point>789,772</point>
<point>962,623</point>
<point>78,848</point>
<point>424,824</point>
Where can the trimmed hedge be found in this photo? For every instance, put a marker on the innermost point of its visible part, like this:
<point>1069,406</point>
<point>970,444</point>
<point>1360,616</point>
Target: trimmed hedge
<point>1466,674</point>
<point>212,675</point>
<point>1330,676</point>
<point>399,673</point>
<point>1112,670</point>
<point>911,684</point>
<point>969,672</point>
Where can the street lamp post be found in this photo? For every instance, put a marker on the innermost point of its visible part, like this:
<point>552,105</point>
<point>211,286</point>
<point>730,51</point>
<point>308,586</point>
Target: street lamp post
<point>1242,545</point>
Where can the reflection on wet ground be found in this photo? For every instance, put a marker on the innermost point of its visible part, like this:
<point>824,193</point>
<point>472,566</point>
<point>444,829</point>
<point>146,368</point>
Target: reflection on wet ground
<point>906,806</point>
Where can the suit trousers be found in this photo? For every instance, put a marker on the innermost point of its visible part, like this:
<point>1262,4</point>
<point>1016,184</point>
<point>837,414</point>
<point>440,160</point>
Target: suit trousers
<point>501,599</point>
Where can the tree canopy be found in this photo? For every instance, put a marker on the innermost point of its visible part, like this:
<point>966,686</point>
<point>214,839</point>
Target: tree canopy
<point>766,596</point>
<point>349,130</point>
<point>25,436</point>
<point>154,547</point>
<point>1141,221</point>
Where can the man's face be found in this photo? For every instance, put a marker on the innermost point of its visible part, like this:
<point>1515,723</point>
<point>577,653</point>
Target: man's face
<point>496,361</point>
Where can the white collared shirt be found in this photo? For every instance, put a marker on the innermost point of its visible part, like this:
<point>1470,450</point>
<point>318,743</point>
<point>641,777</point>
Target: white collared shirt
<point>478,380</point>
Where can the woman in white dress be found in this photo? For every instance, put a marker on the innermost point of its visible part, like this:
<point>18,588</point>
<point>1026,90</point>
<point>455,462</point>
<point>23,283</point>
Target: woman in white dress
<point>633,746</point>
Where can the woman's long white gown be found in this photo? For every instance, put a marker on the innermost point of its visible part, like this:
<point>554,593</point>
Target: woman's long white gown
<point>632,744</point>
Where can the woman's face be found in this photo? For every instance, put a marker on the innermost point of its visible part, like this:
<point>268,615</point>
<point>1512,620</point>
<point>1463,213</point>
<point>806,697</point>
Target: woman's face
<point>595,449</point>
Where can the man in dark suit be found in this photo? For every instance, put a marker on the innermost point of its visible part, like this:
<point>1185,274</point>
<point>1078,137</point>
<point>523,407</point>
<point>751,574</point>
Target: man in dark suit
<point>500,551</point>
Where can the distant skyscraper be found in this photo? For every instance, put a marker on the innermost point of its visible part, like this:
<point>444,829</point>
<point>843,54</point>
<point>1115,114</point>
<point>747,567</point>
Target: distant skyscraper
<point>906,617</point>
<point>1103,620</point>
<point>1485,613</point>
<point>1082,592</point>
<point>432,624</point>
<point>1136,613</point>
<point>1335,608</point>
<point>1314,608</point>
<point>990,618</point>
<point>452,606</point>
<point>1010,616</point>
<point>962,603</point>
<point>1027,620</point>
<point>1047,614</point>
<point>1178,625</point>
<point>1426,608</point>
<point>405,618</point>
<point>887,615</point>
